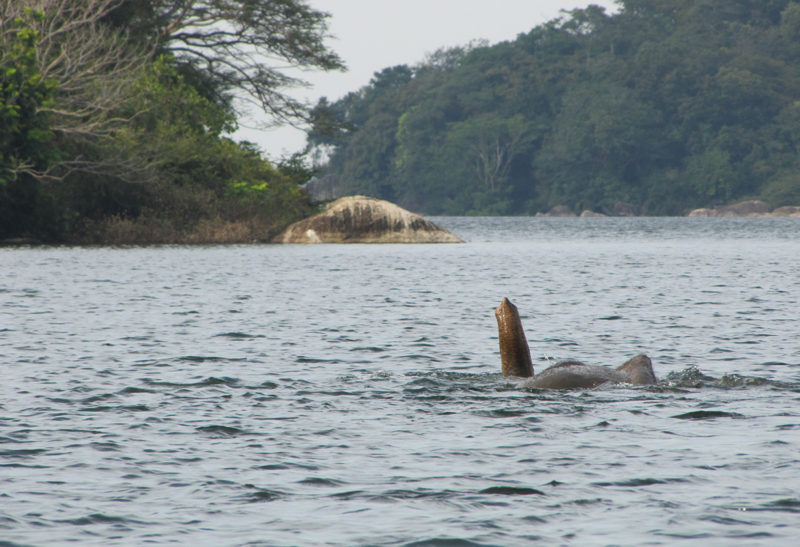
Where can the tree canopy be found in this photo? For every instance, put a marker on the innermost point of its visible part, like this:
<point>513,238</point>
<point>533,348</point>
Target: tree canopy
<point>115,115</point>
<point>665,105</point>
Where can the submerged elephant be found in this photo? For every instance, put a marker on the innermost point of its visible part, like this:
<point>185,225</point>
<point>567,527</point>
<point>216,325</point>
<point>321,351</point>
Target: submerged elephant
<point>516,360</point>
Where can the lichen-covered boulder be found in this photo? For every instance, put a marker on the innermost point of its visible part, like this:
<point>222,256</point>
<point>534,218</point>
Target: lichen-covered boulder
<point>749,208</point>
<point>360,219</point>
<point>557,211</point>
<point>787,211</point>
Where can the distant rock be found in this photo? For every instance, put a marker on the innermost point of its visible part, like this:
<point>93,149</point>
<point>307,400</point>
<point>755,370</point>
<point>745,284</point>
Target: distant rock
<point>702,212</point>
<point>557,211</point>
<point>360,219</point>
<point>620,209</point>
<point>744,209</point>
<point>786,211</point>
<point>751,208</point>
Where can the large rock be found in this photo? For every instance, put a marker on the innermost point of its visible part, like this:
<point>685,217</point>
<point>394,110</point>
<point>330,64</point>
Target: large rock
<point>702,212</point>
<point>360,219</point>
<point>744,209</point>
<point>751,208</point>
<point>557,211</point>
<point>787,211</point>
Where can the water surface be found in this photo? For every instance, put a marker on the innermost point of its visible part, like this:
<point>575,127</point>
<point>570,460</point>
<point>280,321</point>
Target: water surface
<point>351,395</point>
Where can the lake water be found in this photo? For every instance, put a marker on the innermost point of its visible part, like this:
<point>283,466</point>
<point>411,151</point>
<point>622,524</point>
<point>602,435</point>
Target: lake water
<point>351,395</point>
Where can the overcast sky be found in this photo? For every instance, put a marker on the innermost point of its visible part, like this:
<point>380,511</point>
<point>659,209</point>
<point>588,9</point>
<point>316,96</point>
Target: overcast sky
<point>374,34</point>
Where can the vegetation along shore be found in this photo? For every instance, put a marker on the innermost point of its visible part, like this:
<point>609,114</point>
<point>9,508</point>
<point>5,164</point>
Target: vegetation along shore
<point>116,116</point>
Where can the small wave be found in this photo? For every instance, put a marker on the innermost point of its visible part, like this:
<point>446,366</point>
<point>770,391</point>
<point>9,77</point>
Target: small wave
<point>727,521</point>
<point>788,505</point>
<point>99,518</point>
<point>369,349</point>
<point>707,415</point>
<point>512,491</point>
<point>649,481</point>
<point>222,430</point>
<point>689,377</point>
<point>419,357</point>
<point>424,382</point>
<point>204,358</point>
<point>303,359</point>
<point>108,446</point>
<point>22,453</point>
<point>129,390</point>
<point>117,408</point>
<point>319,481</point>
<point>735,380</point>
<point>238,335</point>
<point>262,494</point>
<point>96,398</point>
<point>501,413</point>
<point>348,495</point>
<point>210,381</point>
<point>332,393</point>
<point>421,493</point>
<point>446,542</point>
<point>692,377</point>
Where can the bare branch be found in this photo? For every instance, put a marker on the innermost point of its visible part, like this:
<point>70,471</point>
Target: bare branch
<point>94,68</point>
<point>246,44</point>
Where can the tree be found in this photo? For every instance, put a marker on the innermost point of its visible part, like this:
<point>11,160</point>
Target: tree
<point>88,71</point>
<point>24,93</point>
<point>244,47</point>
<point>490,144</point>
<point>115,111</point>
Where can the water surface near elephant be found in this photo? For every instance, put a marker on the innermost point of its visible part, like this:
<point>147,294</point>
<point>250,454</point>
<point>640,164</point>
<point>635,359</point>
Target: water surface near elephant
<point>350,395</point>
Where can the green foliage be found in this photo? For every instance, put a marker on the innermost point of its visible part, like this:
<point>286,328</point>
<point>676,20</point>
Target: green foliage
<point>667,105</point>
<point>26,206</point>
<point>24,132</point>
<point>200,174</point>
<point>152,163</point>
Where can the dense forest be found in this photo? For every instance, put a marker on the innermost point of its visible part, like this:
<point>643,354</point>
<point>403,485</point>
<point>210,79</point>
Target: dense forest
<point>114,116</point>
<point>664,105</point>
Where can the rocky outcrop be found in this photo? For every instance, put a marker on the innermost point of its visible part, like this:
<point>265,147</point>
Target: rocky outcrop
<point>620,209</point>
<point>360,219</point>
<point>786,211</point>
<point>557,211</point>
<point>744,209</point>
<point>702,212</point>
<point>751,208</point>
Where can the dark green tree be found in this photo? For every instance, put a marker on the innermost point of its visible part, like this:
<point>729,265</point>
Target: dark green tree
<point>238,50</point>
<point>664,104</point>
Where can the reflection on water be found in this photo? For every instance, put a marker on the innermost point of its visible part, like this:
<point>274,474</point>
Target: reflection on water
<point>350,395</point>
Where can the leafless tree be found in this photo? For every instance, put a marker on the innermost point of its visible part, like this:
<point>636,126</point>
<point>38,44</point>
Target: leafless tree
<point>93,67</point>
<point>253,48</point>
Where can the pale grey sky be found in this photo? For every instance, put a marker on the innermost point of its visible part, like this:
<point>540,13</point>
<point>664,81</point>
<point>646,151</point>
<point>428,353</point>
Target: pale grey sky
<point>374,34</point>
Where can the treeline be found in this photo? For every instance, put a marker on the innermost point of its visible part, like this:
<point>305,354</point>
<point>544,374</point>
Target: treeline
<point>114,116</point>
<point>666,105</point>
